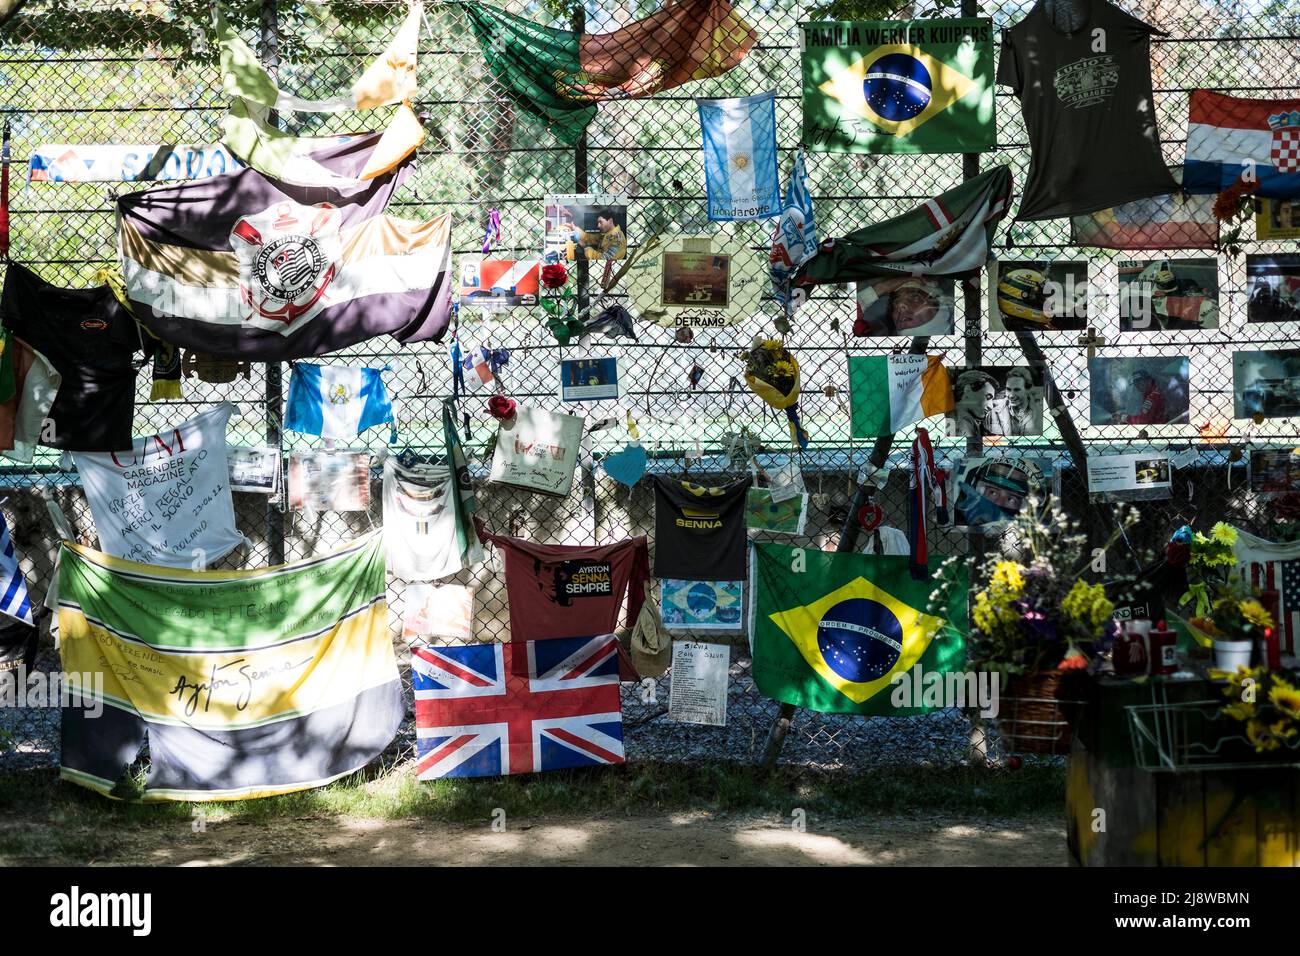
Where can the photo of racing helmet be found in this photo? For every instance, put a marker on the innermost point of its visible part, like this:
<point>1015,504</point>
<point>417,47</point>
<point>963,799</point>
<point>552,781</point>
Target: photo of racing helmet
<point>1022,295</point>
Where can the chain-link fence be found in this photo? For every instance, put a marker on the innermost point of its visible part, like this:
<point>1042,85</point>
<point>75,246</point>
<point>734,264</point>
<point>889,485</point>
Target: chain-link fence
<point>145,72</point>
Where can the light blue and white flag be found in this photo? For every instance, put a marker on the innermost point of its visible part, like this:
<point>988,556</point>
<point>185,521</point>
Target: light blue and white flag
<point>14,602</point>
<point>740,167</point>
<point>336,401</point>
<point>795,239</point>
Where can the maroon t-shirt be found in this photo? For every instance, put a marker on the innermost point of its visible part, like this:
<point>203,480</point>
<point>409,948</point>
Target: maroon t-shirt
<point>566,590</point>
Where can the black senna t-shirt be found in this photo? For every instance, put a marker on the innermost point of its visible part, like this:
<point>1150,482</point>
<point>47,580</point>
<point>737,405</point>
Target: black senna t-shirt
<point>91,342</point>
<point>699,530</point>
<point>1082,70</point>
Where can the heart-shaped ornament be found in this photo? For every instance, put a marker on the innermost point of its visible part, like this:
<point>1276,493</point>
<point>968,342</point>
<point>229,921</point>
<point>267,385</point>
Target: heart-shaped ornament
<point>626,466</point>
<point>870,517</point>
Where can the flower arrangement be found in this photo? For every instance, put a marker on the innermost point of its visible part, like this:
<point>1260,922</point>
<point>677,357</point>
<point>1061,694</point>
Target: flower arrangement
<point>1268,704</point>
<point>772,373</point>
<point>1223,605</point>
<point>1033,611</point>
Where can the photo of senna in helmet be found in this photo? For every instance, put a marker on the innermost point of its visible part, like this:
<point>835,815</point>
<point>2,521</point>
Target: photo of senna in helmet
<point>993,490</point>
<point>1039,296</point>
<point>1169,295</point>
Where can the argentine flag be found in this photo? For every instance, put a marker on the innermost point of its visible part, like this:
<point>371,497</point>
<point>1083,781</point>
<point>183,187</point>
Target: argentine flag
<point>740,167</point>
<point>336,401</point>
<point>14,601</point>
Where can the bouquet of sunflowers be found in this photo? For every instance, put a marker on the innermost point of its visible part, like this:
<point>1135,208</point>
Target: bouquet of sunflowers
<point>1033,611</point>
<point>1268,704</point>
<point>1223,605</point>
<point>772,373</point>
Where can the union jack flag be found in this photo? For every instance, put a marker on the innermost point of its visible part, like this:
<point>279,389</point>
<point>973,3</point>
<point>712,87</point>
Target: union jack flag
<point>485,710</point>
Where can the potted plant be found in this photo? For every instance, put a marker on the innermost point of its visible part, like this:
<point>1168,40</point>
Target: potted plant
<point>1226,613</point>
<point>1039,623</point>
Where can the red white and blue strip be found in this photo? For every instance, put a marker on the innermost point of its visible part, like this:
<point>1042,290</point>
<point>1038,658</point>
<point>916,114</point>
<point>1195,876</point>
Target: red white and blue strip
<point>1229,137</point>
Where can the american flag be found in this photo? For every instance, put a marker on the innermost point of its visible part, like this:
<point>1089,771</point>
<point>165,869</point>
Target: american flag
<point>1275,567</point>
<point>484,710</point>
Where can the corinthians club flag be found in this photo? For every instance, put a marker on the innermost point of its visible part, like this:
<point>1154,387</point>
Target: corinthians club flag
<point>898,86</point>
<point>949,235</point>
<point>830,630</point>
<point>246,266</point>
<point>558,75</point>
<point>247,683</point>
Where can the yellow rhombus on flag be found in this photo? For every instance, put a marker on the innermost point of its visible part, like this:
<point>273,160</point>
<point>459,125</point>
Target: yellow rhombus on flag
<point>801,624</point>
<point>947,87</point>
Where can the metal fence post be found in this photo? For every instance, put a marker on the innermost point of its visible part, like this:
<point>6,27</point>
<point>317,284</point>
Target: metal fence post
<point>274,381</point>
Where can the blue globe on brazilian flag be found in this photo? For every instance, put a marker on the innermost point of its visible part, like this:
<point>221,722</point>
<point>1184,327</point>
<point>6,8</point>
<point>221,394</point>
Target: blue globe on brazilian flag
<point>831,630</point>
<point>899,86</point>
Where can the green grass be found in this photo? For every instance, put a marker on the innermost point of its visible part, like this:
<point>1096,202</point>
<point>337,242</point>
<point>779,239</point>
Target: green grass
<point>638,788</point>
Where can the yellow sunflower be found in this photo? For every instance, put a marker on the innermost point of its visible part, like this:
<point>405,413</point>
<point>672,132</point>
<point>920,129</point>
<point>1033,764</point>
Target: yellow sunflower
<point>1285,697</point>
<point>1254,612</point>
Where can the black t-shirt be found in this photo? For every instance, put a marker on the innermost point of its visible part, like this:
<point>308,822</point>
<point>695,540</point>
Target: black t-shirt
<point>91,342</point>
<point>700,531</point>
<point>1082,70</point>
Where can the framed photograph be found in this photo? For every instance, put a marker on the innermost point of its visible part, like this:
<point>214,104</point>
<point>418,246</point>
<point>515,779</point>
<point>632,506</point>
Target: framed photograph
<point>907,305</point>
<point>996,400</point>
<point>696,280</point>
<point>988,491</point>
<point>786,516</point>
<point>1277,219</point>
<point>1168,295</point>
<point>1266,384</point>
<point>702,605</point>
<point>690,282</point>
<point>498,283</point>
<point>254,470</point>
<point>1273,288</point>
<point>585,226</point>
<point>1140,391</point>
<point>1274,471</point>
<point>329,481</point>
<point>1134,477</point>
<point>588,379</point>
<point>1038,296</point>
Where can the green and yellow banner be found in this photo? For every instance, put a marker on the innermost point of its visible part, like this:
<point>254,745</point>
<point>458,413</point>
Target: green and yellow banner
<point>247,683</point>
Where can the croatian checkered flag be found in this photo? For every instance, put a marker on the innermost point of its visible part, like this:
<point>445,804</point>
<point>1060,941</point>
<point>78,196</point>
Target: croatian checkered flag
<point>14,602</point>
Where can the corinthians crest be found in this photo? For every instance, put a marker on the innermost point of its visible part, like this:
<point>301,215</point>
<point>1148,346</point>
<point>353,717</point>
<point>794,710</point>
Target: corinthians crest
<point>288,257</point>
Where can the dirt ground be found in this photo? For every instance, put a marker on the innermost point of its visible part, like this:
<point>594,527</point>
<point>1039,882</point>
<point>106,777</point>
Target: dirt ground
<point>671,839</point>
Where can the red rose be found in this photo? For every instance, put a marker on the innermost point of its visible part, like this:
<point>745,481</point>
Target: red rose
<point>500,407</point>
<point>554,276</point>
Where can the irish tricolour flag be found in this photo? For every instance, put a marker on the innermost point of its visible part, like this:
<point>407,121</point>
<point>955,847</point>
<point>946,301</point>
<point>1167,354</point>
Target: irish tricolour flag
<point>888,392</point>
<point>1228,137</point>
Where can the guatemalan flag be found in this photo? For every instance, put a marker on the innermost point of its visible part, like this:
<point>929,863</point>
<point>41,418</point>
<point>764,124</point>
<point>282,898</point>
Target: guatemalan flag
<point>1229,135</point>
<point>485,710</point>
<point>13,597</point>
<point>740,167</point>
<point>336,401</point>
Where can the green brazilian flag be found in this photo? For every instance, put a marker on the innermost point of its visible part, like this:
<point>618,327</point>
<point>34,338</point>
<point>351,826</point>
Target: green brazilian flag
<point>830,630</point>
<point>899,86</point>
